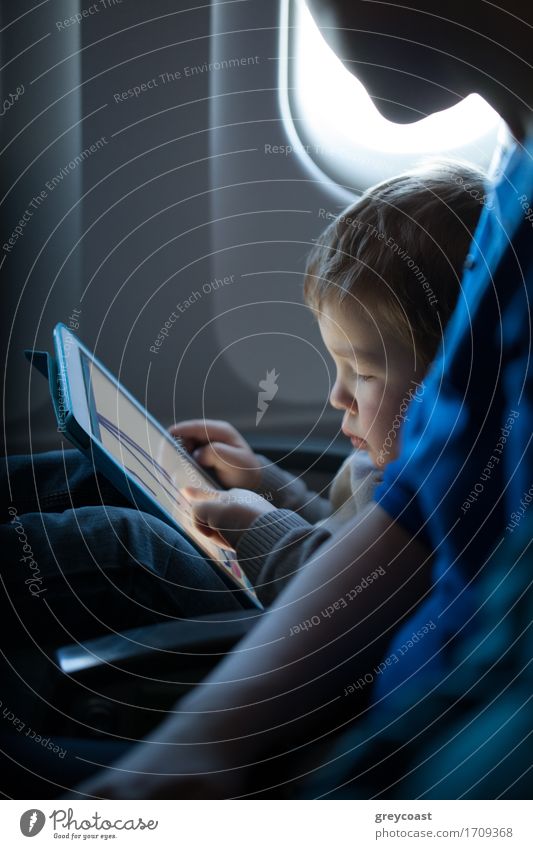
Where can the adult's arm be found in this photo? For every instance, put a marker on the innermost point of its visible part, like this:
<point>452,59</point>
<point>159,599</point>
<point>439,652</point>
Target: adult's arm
<point>275,691</point>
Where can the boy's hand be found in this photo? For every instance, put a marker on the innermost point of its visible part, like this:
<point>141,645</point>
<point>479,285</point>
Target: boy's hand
<point>223,517</point>
<point>217,445</point>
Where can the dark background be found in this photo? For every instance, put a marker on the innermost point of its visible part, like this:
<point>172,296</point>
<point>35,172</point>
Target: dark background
<point>180,194</point>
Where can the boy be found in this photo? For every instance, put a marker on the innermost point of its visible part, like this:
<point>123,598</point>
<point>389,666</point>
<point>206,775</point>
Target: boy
<point>382,282</point>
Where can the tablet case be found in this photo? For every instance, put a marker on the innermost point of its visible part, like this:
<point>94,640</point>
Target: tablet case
<point>47,366</point>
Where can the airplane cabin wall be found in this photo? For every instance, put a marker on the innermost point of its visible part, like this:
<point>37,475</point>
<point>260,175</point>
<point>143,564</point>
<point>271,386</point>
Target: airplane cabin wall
<point>182,262</point>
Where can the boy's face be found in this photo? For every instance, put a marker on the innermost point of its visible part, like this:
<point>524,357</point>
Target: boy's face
<point>377,376</point>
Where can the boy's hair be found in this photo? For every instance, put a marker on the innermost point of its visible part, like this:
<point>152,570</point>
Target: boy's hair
<point>398,252</point>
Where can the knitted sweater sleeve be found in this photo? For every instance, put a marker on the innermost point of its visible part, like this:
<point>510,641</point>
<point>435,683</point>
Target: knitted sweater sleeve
<point>288,492</point>
<point>279,543</point>
<point>274,547</point>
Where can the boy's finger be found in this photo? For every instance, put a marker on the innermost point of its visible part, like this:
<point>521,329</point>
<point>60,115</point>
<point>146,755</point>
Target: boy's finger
<point>205,430</point>
<point>203,526</point>
<point>220,455</point>
<point>185,442</point>
<point>213,536</point>
<point>201,515</point>
<point>196,493</point>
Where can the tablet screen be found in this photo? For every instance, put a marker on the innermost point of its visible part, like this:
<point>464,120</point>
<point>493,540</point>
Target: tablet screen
<point>150,456</point>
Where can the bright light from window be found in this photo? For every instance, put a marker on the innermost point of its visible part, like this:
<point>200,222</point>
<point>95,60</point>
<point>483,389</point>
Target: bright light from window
<point>345,134</point>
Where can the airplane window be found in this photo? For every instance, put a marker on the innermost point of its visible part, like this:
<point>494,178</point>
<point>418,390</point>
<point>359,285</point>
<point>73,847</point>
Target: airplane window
<point>338,131</point>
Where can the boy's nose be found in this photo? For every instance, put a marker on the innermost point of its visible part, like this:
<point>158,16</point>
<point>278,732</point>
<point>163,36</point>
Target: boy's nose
<point>340,399</point>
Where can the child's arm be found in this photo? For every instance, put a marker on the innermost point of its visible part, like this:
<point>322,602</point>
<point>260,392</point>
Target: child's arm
<point>218,446</point>
<point>289,492</point>
<point>271,544</point>
<point>276,691</point>
<point>274,547</point>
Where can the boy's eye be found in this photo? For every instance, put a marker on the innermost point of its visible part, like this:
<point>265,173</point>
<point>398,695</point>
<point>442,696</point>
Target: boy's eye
<point>364,378</point>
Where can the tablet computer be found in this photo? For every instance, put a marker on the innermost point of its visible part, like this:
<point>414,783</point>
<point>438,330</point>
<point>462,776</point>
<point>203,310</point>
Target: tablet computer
<point>131,449</point>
